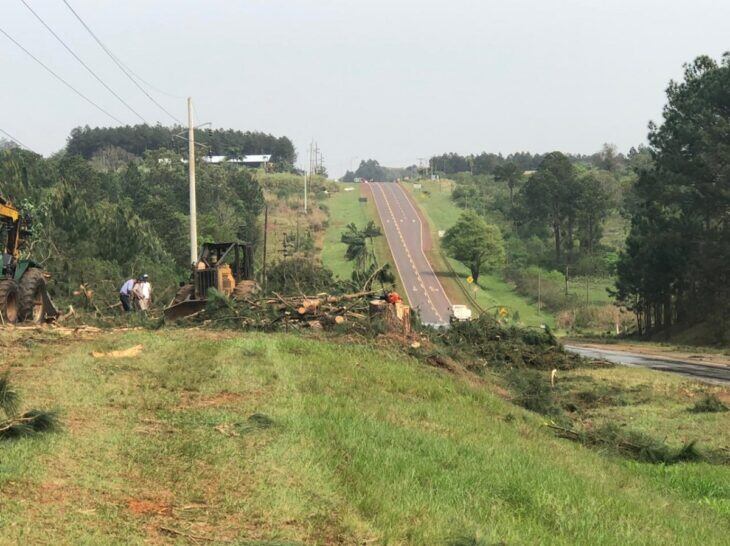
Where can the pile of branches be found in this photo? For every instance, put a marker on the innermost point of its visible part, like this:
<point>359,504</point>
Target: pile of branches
<point>13,423</point>
<point>499,345</point>
<point>277,312</point>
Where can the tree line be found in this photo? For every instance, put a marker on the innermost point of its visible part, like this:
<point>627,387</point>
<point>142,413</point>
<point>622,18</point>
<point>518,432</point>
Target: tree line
<point>675,272</point>
<point>138,139</point>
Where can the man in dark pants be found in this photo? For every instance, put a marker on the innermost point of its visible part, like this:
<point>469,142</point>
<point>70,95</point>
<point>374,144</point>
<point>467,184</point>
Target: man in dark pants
<point>125,295</point>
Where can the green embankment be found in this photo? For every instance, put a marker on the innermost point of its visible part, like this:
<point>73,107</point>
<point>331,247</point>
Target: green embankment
<point>434,199</point>
<point>344,208</point>
<point>242,438</point>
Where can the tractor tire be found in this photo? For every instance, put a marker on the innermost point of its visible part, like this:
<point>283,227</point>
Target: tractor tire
<point>9,301</point>
<point>31,292</point>
<point>185,292</point>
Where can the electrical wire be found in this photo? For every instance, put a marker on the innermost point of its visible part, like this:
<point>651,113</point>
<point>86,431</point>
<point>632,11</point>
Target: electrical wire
<point>59,78</point>
<point>86,66</point>
<point>11,137</point>
<point>119,63</point>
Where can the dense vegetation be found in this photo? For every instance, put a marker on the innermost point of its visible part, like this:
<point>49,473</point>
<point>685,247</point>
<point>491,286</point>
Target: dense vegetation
<point>97,227</point>
<point>138,139</point>
<point>676,268</point>
<point>370,169</point>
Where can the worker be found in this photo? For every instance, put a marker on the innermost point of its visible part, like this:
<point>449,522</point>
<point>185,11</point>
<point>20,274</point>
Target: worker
<point>393,298</point>
<point>126,293</point>
<point>143,293</point>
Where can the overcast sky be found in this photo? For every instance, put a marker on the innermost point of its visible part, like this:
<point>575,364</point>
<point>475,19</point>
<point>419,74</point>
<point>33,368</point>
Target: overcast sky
<point>393,80</point>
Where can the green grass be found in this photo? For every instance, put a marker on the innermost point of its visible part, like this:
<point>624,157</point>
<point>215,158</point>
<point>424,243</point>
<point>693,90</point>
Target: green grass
<point>366,445</point>
<point>345,207</point>
<point>493,291</point>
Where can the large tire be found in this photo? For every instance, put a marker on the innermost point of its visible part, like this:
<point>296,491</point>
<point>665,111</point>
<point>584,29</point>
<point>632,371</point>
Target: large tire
<point>184,293</point>
<point>9,301</point>
<point>31,302</point>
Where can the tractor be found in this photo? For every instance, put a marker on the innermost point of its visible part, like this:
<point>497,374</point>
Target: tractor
<point>23,294</point>
<point>225,267</point>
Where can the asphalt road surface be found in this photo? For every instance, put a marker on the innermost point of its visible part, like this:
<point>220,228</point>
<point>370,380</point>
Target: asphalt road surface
<point>404,232</point>
<point>708,373</point>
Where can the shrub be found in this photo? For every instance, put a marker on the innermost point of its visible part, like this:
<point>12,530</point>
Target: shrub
<point>708,404</point>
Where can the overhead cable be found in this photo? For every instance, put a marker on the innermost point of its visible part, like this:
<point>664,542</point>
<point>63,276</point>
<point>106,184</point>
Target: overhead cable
<point>59,78</point>
<point>119,63</point>
<point>86,66</point>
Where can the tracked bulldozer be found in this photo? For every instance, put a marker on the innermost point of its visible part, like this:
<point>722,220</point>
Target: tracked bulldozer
<point>225,267</point>
<point>23,293</point>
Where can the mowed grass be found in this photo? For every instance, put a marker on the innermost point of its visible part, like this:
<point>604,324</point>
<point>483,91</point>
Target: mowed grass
<point>348,444</point>
<point>493,291</point>
<point>344,208</point>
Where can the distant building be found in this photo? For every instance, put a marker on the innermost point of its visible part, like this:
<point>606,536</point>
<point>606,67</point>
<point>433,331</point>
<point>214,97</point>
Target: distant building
<point>259,160</point>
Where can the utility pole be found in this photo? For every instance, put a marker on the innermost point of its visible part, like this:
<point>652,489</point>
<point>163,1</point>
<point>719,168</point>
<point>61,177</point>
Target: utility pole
<point>266,232</point>
<point>191,175</point>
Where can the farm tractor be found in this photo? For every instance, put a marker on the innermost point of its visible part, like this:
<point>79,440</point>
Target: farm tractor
<point>23,294</point>
<point>225,267</point>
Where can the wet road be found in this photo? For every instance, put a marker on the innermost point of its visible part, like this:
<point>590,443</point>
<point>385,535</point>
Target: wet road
<point>719,375</point>
<point>404,232</point>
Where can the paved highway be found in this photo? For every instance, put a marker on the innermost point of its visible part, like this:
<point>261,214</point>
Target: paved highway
<point>716,374</point>
<point>404,231</point>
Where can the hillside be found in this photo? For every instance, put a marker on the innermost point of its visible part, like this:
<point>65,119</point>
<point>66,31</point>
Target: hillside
<point>278,439</point>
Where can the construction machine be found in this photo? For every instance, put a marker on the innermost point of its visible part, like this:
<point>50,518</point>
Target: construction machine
<point>23,294</point>
<point>226,267</point>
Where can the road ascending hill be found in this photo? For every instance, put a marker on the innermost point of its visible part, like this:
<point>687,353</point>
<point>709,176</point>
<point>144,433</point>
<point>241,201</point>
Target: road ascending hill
<point>404,231</point>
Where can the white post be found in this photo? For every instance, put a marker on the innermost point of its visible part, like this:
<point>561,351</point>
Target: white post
<point>307,175</point>
<point>191,173</point>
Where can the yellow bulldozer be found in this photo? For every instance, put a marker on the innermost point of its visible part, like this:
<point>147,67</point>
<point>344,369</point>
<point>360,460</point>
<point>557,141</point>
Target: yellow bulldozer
<point>225,267</point>
<point>23,293</point>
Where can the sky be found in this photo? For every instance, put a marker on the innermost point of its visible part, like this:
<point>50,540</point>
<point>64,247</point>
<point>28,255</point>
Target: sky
<point>394,80</point>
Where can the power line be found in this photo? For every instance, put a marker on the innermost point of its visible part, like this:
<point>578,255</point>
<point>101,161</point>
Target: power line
<point>59,78</point>
<point>119,63</point>
<point>11,137</point>
<point>102,82</point>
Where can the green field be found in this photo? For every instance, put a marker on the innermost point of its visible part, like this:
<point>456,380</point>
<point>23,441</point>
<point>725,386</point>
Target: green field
<point>435,201</point>
<point>344,208</point>
<point>217,437</point>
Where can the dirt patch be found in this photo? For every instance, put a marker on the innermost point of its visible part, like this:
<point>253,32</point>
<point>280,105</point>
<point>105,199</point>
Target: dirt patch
<point>190,399</point>
<point>710,359</point>
<point>146,507</point>
<point>130,352</point>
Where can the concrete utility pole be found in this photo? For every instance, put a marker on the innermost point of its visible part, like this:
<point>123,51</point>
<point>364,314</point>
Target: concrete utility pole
<point>191,174</point>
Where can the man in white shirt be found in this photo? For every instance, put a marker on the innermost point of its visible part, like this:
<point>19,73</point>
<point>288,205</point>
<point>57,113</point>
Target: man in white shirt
<point>125,294</point>
<point>143,292</point>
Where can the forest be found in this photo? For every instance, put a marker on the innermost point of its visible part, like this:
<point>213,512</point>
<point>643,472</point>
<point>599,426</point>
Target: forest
<point>135,140</point>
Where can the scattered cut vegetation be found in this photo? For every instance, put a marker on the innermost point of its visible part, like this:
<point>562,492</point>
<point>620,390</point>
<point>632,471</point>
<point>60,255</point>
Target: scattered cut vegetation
<point>16,424</point>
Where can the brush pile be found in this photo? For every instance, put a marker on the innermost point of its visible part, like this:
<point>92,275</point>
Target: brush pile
<point>279,312</point>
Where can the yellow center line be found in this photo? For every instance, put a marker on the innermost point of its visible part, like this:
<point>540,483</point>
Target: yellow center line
<point>408,254</point>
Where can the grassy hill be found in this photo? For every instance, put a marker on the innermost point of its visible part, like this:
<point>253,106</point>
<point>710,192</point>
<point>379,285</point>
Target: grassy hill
<point>278,439</point>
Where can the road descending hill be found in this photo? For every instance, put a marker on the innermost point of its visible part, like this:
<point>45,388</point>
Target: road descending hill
<point>405,232</point>
<point>223,437</point>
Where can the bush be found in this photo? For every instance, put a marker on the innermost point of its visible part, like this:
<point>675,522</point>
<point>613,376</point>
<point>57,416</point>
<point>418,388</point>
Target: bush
<point>708,404</point>
<point>300,275</point>
<point>532,391</point>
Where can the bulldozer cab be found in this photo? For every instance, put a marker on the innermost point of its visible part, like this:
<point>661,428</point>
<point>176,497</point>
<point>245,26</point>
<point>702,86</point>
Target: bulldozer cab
<point>222,266</point>
<point>226,267</point>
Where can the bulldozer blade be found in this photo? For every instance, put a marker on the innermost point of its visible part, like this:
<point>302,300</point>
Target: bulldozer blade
<point>184,309</point>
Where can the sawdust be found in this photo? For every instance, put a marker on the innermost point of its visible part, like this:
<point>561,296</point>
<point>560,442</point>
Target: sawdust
<point>131,352</point>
